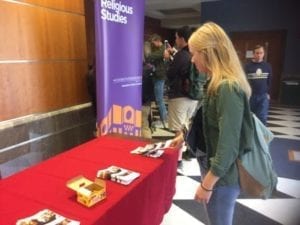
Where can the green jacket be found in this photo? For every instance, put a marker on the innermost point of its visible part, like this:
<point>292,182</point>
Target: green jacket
<point>227,129</point>
<point>156,58</point>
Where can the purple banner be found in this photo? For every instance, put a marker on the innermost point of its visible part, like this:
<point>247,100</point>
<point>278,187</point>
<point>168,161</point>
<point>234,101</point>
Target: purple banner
<point>119,53</point>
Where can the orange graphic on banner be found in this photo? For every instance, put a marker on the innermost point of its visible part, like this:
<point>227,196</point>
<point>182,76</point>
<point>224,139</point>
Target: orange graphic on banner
<point>122,120</point>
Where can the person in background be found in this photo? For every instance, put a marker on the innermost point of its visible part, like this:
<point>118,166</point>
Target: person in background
<point>147,92</point>
<point>91,87</point>
<point>180,106</point>
<point>259,75</point>
<point>224,115</point>
<point>158,58</point>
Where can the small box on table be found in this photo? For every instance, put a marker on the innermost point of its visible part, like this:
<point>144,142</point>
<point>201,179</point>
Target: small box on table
<point>88,192</point>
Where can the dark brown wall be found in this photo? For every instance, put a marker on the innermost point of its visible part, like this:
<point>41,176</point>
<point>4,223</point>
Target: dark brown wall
<point>153,26</point>
<point>90,30</point>
<point>43,56</point>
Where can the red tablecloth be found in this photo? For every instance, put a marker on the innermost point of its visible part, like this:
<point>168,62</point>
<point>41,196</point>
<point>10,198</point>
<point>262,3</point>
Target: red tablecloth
<point>143,202</point>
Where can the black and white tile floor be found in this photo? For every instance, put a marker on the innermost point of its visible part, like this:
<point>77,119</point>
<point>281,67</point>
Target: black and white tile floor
<point>283,208</point>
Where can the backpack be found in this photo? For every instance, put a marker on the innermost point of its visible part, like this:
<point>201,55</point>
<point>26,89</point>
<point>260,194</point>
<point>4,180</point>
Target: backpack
<point>194,137</point>
<point>193,84</point>
<point>256,174</point>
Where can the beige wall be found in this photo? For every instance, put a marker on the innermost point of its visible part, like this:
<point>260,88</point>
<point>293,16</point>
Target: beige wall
<point>43,56</point>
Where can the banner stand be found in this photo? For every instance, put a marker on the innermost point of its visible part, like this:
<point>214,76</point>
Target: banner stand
<point>119,26</point>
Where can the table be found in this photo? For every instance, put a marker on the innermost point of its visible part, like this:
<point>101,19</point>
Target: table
<point>143,202</point>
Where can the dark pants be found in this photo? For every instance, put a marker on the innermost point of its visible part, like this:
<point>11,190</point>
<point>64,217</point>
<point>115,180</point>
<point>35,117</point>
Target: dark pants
<point>259,105</point>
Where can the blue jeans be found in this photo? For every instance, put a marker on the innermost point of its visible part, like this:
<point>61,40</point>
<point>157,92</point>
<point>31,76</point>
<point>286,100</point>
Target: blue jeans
<point>220,208</point>
<point>159,98</point>
<point>259,105</point>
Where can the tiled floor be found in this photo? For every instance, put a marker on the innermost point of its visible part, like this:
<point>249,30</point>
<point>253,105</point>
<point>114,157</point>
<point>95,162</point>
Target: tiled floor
<point>284,208</point>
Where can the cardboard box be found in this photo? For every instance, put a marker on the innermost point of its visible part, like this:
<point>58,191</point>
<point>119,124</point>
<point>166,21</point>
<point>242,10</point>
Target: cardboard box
<point>88,192</point>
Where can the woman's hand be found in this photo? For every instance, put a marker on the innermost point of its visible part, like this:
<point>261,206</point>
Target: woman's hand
<point>177,141</point>
<point>206,188</point>
<point>167,54</point>
<point>202,195</point>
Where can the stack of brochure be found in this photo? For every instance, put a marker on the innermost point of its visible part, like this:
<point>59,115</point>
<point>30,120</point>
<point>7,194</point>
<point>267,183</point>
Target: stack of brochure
<point>47,217</point>
<point>118,174</point>
<point>154,150</point>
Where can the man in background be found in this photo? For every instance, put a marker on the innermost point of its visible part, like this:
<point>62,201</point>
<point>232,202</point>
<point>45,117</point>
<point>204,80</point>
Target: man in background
<point>91,87</point>
<point>259,75</point>
<point>181,107</point>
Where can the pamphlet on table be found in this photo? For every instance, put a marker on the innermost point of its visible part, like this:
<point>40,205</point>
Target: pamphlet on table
<point>153,150</point>
<point>118,174</point>
<point>47,217</point>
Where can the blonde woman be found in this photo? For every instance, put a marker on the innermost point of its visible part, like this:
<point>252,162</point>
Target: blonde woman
<point>225,113</point>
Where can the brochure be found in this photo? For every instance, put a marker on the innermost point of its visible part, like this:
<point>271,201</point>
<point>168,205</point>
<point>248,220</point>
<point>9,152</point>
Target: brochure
<point>118,174</point>
<point>154,150</point>
<point>47,217</point>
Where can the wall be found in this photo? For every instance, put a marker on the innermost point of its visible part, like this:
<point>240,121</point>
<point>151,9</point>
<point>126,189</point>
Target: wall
<point>90,30</point>
<point>257,15</point>
<point>42,56</point>
<point>153,26</point>
<point>44,105</point>
<point>28,140</point>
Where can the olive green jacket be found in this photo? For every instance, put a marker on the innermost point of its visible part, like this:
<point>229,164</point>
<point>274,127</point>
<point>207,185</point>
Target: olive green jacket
<point>227,129</point>
<point>156,58</point>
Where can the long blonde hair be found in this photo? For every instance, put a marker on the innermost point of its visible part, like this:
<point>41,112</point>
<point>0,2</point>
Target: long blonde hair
<point>147,50</point>
<point>220,57</point>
